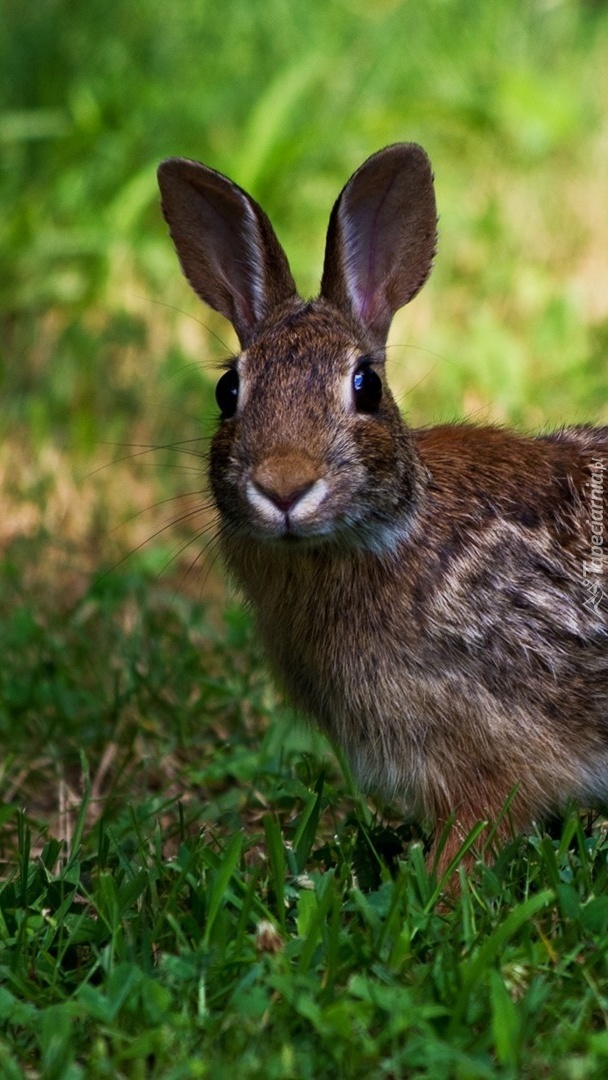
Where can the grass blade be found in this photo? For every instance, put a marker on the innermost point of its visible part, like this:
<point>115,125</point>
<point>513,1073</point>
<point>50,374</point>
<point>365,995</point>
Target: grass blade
<point>217,890</point>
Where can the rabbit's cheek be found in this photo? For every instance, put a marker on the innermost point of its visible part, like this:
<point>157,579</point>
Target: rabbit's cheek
<point>381,455</point>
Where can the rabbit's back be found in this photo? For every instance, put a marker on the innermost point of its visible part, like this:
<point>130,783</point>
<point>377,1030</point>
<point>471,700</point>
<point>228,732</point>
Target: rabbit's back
<point>510,579</point>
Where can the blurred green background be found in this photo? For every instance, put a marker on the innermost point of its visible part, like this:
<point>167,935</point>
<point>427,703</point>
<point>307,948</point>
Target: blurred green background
<point>105,353</point>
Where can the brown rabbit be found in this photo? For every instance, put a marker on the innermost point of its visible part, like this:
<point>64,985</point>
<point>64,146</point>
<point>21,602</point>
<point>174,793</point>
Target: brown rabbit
<point>437,599</point>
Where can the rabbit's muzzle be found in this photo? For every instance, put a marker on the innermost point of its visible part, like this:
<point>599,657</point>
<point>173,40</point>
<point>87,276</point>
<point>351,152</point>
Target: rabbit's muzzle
<point>286,488</point>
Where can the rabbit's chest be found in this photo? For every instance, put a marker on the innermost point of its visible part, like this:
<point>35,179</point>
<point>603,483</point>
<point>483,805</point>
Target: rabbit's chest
<point>348,657</point>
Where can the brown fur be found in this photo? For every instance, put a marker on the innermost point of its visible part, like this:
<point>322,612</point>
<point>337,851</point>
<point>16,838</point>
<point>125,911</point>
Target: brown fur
<point>426,596</point>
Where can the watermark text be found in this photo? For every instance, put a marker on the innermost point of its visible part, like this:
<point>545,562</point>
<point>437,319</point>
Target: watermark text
<point>595,564</point>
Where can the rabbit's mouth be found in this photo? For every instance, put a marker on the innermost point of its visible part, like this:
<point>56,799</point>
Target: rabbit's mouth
<point>346,533</point>
<point>286,504</point>
<point>292,533</point>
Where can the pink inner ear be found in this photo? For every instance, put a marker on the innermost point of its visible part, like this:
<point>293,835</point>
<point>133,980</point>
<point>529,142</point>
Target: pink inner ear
<point>226,244</point>
<point>369,249</point>
<point>381,237</point>
<point>364,266</point>
<point>227,234</point>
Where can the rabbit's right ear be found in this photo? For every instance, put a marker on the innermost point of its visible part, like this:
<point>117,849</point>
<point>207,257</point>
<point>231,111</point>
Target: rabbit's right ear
<point>226,245</point>
<point>381,238</point>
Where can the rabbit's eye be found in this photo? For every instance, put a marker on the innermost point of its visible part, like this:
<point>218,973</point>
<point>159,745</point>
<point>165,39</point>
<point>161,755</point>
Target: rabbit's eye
<point>227,392</point>
<point>367,387</point>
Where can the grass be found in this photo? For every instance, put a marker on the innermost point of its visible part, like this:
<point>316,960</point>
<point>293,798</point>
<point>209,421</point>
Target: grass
<point>190,886</point>
<point>211,896</point>
<point>214,905</point>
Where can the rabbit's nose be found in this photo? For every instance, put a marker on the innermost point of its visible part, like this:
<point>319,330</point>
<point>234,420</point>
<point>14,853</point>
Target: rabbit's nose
<point>283,499</point>
<point>284,480</point>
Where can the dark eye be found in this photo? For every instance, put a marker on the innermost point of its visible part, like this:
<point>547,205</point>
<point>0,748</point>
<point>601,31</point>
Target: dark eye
<point>227,392</point>
<point>367,387</point>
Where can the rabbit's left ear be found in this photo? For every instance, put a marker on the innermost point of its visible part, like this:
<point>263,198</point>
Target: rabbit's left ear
<point>381,238</point>
<point>226,245</point>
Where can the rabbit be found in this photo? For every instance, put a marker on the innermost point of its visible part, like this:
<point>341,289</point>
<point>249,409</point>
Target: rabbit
<point>435,599</point>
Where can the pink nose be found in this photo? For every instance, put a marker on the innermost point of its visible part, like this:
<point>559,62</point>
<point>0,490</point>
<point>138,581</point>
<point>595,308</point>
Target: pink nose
<point>284,479</point>
<point>283,498</point>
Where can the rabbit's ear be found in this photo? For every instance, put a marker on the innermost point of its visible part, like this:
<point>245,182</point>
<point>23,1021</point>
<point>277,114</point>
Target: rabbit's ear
<point>226,245</point>
<point>381,237</point>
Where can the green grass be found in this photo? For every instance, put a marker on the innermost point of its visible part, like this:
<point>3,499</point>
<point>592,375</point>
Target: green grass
<point>190,886</point>
<point>217,899</point>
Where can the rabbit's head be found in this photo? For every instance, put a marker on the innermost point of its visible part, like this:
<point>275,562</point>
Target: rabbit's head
<point>311,446</point>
